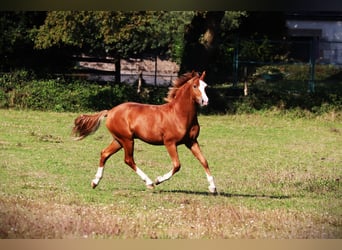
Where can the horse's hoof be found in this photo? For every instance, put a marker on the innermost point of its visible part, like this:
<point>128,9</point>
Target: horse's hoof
<point>212,190</point>
<point>93,185</point>
<point>157,182</point>
<point>150,186</point>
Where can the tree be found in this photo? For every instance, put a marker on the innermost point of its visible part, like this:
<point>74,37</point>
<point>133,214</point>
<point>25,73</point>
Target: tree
<point>131,34</point>
<point>196,40</point>
<point>260,24</point>
<point>208,41</point>
<point>113,33</point>
<point>16,43</point>
<point>260,37</point>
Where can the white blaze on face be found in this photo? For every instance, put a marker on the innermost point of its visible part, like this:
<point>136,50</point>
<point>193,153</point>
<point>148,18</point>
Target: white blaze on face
<point>205,98</point>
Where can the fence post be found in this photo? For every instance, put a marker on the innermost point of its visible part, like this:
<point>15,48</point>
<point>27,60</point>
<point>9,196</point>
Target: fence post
<point>140,79</point>
<point>155,70</point>
<point>235,63</point>
<point>312,65</point>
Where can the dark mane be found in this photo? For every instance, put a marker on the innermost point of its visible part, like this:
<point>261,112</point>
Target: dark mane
<point>180,81</point>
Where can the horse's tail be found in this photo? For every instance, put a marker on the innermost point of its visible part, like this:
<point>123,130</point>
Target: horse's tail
<point>87,124</point>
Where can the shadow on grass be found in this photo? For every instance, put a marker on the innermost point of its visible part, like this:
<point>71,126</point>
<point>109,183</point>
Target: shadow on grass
<point>223,194</point>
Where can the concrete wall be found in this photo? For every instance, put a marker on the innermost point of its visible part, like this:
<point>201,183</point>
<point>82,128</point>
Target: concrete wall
<point>330,42</point>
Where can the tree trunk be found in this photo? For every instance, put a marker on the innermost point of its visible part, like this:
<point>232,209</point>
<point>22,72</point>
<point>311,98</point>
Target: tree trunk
<point>212,20</point>
<point>201,39</point>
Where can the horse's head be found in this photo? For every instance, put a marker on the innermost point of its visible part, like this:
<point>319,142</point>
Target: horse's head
<point>198,90</point>
<point>192,81</point>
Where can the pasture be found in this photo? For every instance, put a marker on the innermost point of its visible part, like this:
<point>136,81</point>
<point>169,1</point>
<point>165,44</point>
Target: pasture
<point>278,176</point>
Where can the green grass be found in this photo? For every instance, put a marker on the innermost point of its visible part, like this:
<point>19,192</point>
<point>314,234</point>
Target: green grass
<point>278,176</point>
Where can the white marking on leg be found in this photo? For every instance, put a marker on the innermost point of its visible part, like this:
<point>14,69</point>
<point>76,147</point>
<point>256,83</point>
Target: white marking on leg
<point>98,176</point>
<point>212,187</point>
<point>165,177</point>
<point>144,177</point>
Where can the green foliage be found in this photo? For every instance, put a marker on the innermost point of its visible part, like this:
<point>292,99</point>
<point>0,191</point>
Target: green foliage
<point>287,90</point>
<point>15,30</point>
<point>23,90</point>
<point>283,98</point>
<point>232,19</point>
<point>117,33</point>
<point>195,39</point>
<point>209,43</point>
<point>262,50</point>
<point>78,29</point>
<point>15,79</point>
<point>20,90</point>
<point>177,22</point>
<point>298,72</point>
<point>16,41</point>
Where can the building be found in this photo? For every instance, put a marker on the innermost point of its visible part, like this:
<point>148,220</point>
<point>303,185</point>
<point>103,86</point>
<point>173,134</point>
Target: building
<point>322,30</point>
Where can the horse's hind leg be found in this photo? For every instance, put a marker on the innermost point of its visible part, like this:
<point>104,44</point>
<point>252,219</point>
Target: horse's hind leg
<point>129,160</point>
<point>105,154</point>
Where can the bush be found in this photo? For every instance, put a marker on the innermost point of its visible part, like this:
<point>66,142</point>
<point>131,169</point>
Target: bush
<point>19,90</point>
<point>297,72</point>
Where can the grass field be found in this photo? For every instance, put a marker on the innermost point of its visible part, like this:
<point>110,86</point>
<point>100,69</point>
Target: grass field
<point>278,176</point>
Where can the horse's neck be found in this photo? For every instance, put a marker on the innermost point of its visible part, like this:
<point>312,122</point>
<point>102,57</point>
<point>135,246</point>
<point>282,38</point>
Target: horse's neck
<point>185,106</point>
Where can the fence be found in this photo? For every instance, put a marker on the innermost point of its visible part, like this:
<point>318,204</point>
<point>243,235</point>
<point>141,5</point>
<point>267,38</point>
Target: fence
<point>152,70</point>
<point>309,51</point>
<point>158,72</point>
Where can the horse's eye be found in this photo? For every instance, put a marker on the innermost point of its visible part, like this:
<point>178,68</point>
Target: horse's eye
<point>195,86</point>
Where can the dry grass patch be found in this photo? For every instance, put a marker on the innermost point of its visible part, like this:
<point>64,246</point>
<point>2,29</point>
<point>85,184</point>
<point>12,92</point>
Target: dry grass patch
<point>22,218</point>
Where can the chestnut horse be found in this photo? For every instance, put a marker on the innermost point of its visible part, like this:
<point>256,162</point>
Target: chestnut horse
<point>169,124</point>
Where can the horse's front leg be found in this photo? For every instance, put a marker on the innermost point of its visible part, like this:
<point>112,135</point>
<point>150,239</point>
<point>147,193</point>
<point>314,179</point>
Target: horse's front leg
<point>195,149</point>
<point>172,150</point>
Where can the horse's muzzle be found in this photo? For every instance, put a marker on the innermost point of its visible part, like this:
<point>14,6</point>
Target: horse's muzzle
<point>204,103</point>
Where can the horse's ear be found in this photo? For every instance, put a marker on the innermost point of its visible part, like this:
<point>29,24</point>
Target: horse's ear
<point>202,76</point>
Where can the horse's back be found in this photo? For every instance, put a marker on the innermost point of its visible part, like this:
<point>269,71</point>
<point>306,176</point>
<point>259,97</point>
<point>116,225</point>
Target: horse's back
<point>135,120</point>
<point>131,111</point>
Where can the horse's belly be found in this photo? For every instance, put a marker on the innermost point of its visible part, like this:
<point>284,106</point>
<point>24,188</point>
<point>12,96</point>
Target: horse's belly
<point>150,134</point>
<point>149,141</point>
